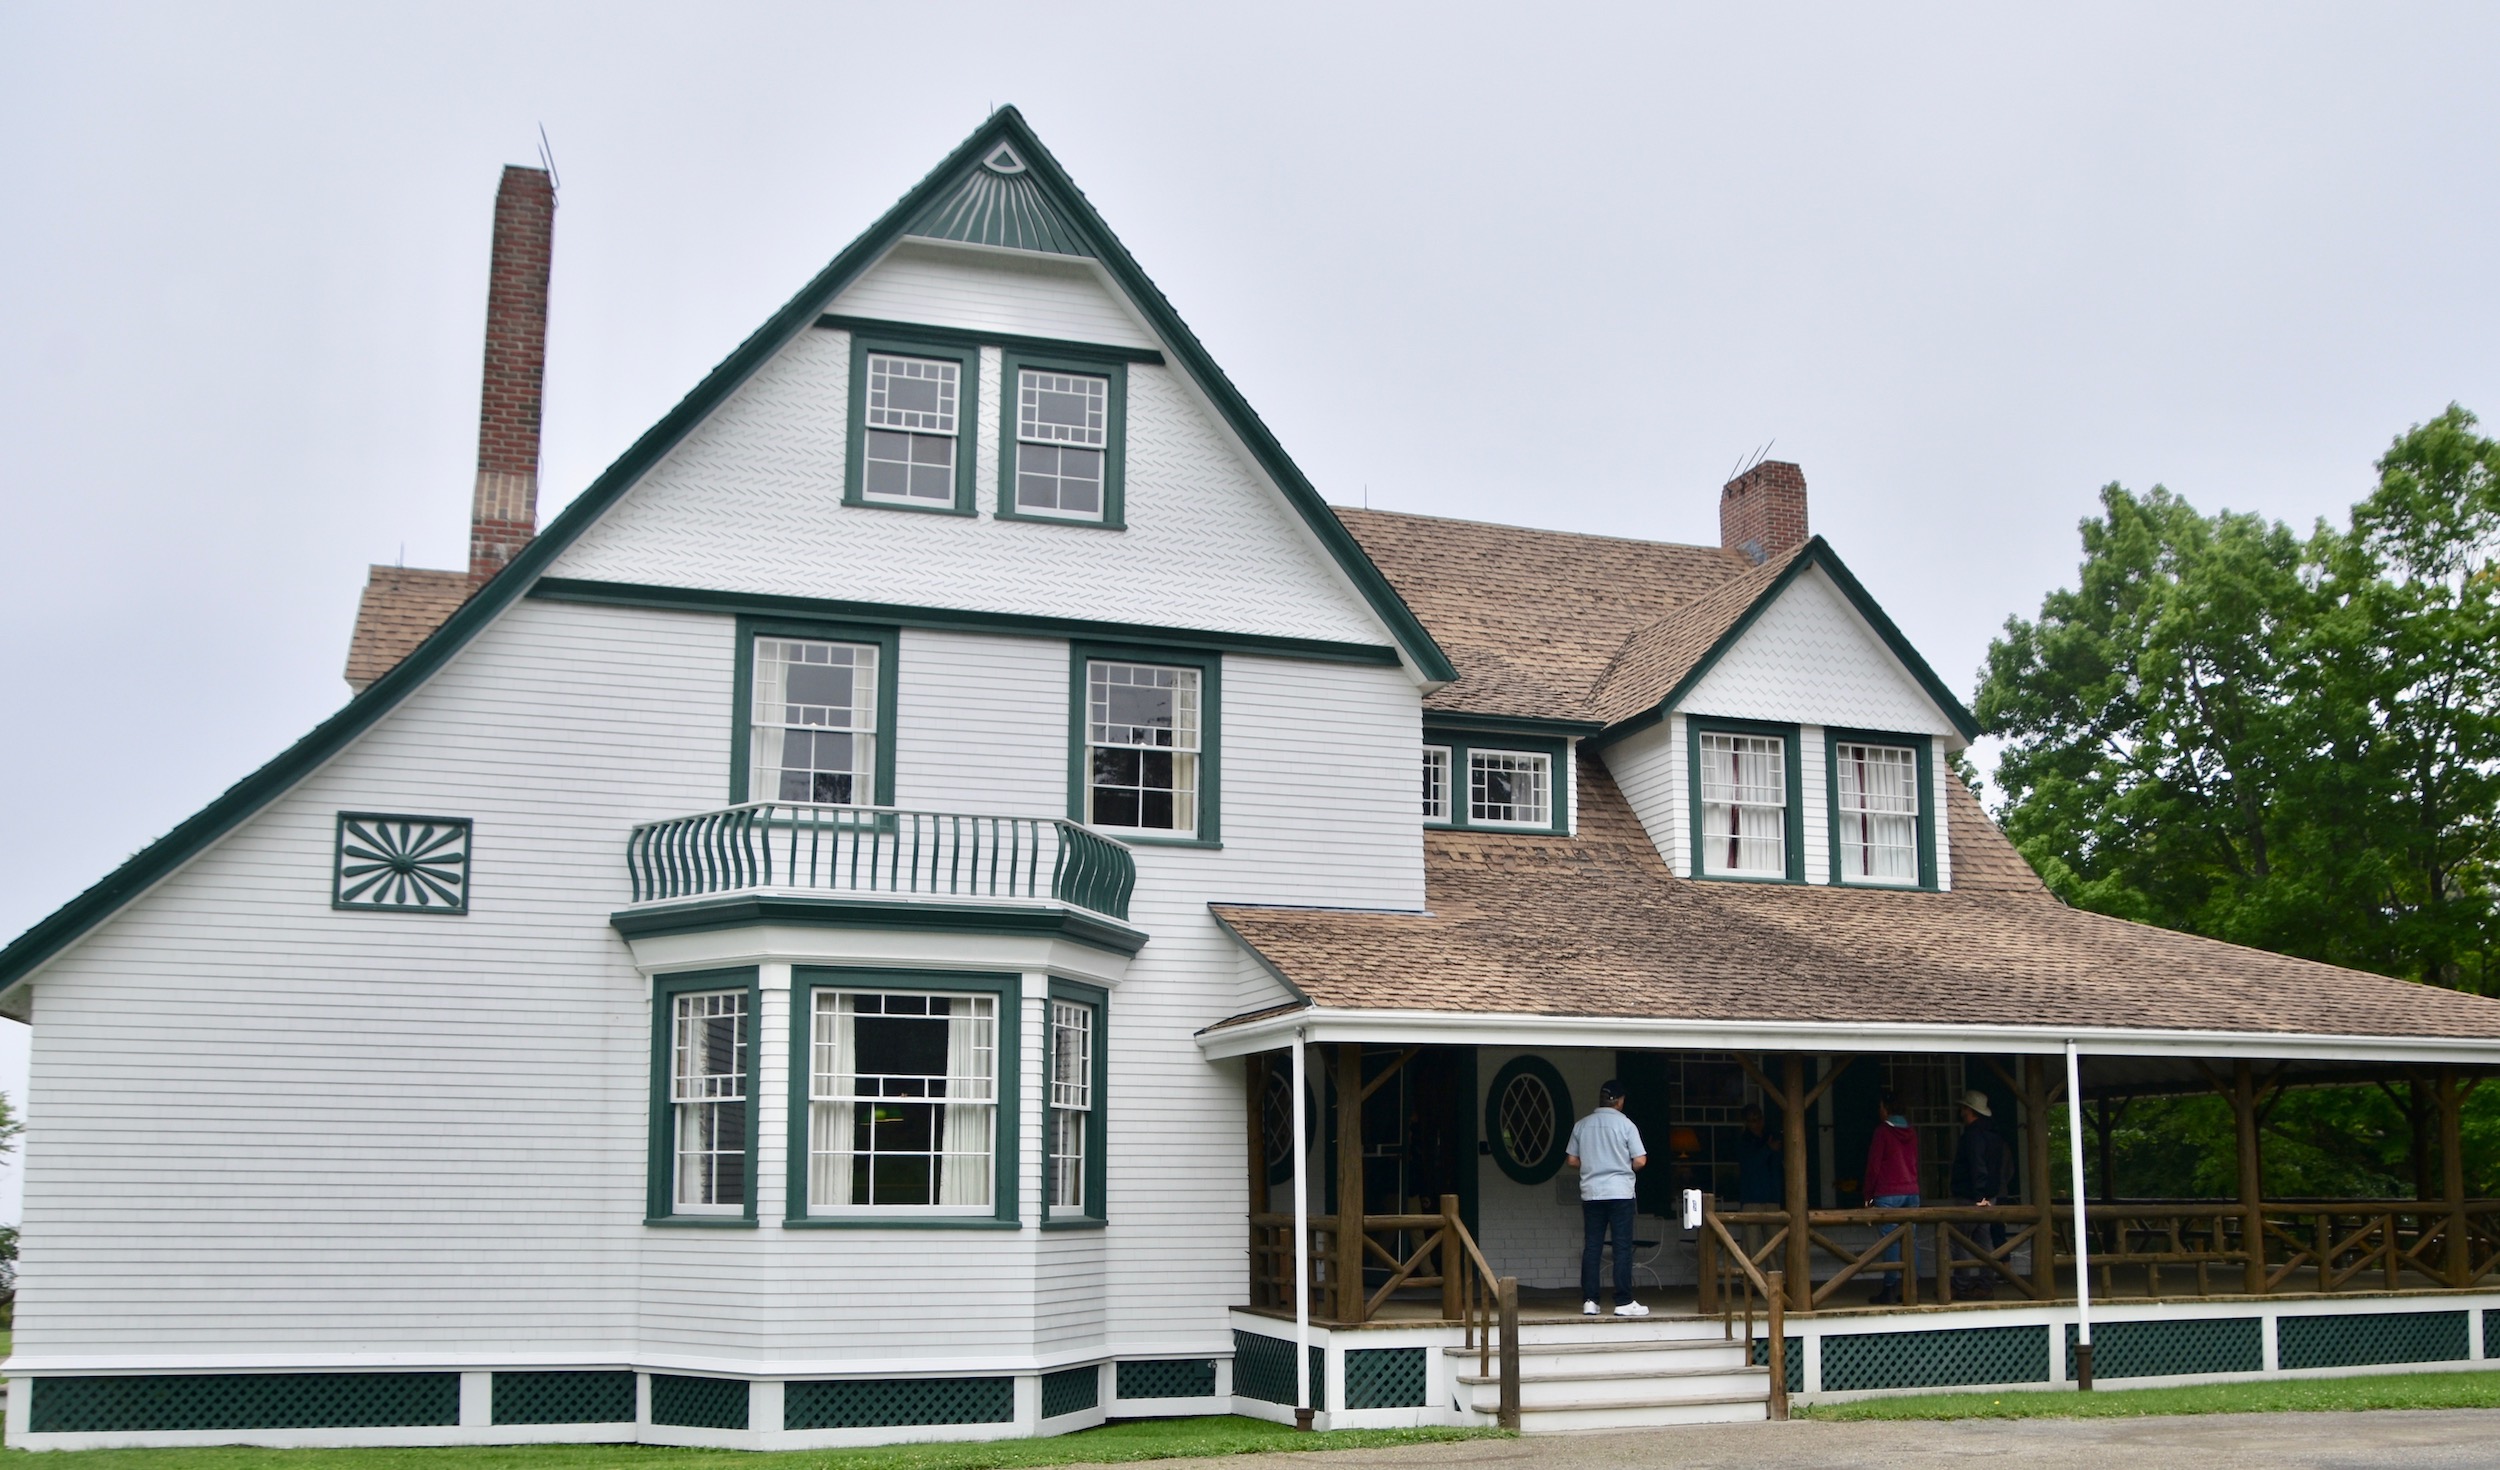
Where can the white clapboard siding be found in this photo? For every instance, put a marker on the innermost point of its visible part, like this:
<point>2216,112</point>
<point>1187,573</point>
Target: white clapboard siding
<point>1648,767</point>
<point>1018,294</point>
<point>275,1129</point>
<point>1810,659</point>
<point>751,502</point>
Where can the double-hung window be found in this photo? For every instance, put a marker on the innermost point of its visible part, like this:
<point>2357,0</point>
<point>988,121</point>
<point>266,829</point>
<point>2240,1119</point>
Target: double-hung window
<point>1880,824</point>
<point>1744,824</point>
<point>903,1102</point>
<point>703,1125</point>
<point>813,721</point>
<point>914,404</point>
<point>1145,733</point>
<point>1073,1181</point>
<point>1062,423</point>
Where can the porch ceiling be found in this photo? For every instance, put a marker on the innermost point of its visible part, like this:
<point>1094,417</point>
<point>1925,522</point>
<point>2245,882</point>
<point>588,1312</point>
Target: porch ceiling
<point>1590,940</point>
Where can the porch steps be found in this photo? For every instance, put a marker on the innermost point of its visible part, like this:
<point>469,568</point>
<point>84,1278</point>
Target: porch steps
<point>1606,1373</point>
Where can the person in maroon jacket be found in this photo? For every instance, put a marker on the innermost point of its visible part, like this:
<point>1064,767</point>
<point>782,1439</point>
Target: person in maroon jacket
<point>1892,1181</point>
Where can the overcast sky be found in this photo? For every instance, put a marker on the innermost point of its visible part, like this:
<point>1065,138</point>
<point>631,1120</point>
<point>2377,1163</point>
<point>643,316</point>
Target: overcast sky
<point>1559,267</point>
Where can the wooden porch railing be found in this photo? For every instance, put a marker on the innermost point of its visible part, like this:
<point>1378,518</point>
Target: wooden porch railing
<point>2322,1245</point>
<point>1414,1253</point>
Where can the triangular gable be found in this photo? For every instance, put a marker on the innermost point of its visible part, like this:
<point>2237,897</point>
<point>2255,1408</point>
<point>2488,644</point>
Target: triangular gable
<point>1662,665</point>
<point>960,194</point>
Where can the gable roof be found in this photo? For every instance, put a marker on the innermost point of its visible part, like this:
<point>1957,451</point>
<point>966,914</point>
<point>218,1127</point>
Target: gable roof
<point>401,606</point>
<point>1596,925</point>
<point>1556,625</point>
<point>942,201</point>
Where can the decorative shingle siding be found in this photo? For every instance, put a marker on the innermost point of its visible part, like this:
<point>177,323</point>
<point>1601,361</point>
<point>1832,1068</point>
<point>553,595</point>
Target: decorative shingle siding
<point>751,503</point>
<point>1809,658</point>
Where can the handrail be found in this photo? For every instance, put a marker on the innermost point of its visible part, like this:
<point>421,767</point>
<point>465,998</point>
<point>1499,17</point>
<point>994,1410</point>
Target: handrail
<point>886,850</point>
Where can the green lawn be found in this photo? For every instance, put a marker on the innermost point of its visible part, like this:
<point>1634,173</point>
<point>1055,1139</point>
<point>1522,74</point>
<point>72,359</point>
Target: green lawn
<point>1152,1439</point>
<point>2380,1391</point>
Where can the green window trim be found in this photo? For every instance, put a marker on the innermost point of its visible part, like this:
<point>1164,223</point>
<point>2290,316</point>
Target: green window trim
<point>1115,436</point>
<point>1462,743</point>
<point>660,1205</point>
<point>805,981</point>
<point>1097,1127</point>
<point>1210,667</point>
<point>967,419</point>
<point>1529,1171</point>
<point>1149,356</point>
<point>888,641</point>
<point>1833,739</point>
<point>1695,726</point>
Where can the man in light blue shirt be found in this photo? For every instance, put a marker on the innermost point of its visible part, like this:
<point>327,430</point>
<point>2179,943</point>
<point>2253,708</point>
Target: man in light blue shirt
<point>1607,1150</point>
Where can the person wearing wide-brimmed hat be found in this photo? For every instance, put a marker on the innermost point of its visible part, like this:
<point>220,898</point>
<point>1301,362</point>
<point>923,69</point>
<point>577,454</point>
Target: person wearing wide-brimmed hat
<point>1983,1173</point>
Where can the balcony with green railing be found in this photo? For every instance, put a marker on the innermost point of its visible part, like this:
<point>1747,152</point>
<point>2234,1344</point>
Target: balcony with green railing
<point>885,854</point>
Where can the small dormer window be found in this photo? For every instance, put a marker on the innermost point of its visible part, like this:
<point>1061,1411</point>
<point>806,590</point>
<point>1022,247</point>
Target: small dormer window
<point>1875,790</point>
<point>1509,788</point>
<point>1744,805</point>
<point>911,429</point>
<point>1495,781</point>
<point>1436,783</point>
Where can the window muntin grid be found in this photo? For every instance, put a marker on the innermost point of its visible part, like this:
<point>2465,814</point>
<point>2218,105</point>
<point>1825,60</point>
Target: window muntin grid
<point>1142,746</point>
<point>708,1100</point>
<point>1510,788</point>
<point>1062,428</point>
<point>1744,805</point>
<point>1528,1123</point>
<point>1877,791</point>
<point>813,722</point>
<point>1071,1102</point>
<point>910,427</point>
<point>1436,783</point>
<point>902,1103</point>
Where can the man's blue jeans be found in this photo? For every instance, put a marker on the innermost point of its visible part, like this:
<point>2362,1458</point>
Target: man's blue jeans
<point>1893,1252</point>
<point>1600,1216</point>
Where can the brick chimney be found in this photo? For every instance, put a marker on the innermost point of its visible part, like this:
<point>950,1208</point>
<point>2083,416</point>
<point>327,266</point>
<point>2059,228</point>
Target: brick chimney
<point>504,515</point>
<point>1762,512</point>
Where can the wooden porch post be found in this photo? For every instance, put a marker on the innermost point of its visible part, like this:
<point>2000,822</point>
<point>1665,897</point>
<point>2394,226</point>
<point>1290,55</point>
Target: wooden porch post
<point>2038,1172</point>
<point>2252,1177</point>
<point>1800,1276</point>
<point>1350,1181</point>
<point>2460,1259</point>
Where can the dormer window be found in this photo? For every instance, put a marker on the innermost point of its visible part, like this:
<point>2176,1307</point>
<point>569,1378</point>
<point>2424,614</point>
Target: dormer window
<point>1747,822</point>
<point>1876,792</point>
<point>911,420</point>
<point>1494,781</point>
<point>1509,788</point>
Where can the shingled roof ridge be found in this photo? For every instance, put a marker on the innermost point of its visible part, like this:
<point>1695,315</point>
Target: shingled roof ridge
<point>1736,559</point>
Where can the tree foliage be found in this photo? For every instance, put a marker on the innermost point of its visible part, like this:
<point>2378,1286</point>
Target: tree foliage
<point>2286,741</point>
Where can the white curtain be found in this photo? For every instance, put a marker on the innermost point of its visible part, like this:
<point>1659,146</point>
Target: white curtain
<point>1744,804</point>
<point>834,1058</point>
<point>1879,813</point>
<point>964,1136</point>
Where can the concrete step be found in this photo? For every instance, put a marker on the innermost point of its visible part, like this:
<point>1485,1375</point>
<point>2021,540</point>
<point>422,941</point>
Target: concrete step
<point>1602,1390</point>
<point>1645,1413</point>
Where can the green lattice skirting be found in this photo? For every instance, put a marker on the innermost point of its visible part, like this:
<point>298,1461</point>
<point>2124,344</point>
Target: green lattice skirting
<point>1384,1378</point>
<point>1945,1359</point>
<point>2359,1339</point>
<point>1263,1369</point>
<point>878,1403</point>
<point>1171,1378</point>
<point>1796,1374</point>
<point>159,1403</point>
<point>2169,1349</point>
<point>564,1398</point>
<point>1071,1390</point>
<point>698,1403</point>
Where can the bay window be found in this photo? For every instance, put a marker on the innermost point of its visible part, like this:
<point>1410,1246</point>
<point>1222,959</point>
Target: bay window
<point>703,1102</point>
<point>1072,1184</point>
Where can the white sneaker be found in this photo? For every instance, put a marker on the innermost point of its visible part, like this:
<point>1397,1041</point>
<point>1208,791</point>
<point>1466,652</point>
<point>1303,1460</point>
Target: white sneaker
<point>1588,1309</point>
<point>1631,1309</point>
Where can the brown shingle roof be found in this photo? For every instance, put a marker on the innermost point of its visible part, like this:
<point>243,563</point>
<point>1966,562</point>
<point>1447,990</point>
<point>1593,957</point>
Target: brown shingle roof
<point>401,606</point>
<point>1596,926</point>
<point>1534,619</point>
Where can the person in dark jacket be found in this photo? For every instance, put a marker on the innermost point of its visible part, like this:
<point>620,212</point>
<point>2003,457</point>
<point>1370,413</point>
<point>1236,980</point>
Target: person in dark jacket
<point>1983,1173</point>
<point>1761,1173</point>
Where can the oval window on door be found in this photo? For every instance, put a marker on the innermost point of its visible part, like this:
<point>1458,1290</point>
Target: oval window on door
<point>1527,1117</point>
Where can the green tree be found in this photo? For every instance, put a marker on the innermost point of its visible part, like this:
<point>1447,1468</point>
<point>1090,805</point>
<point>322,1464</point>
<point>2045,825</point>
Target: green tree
<point>2287,742</point>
